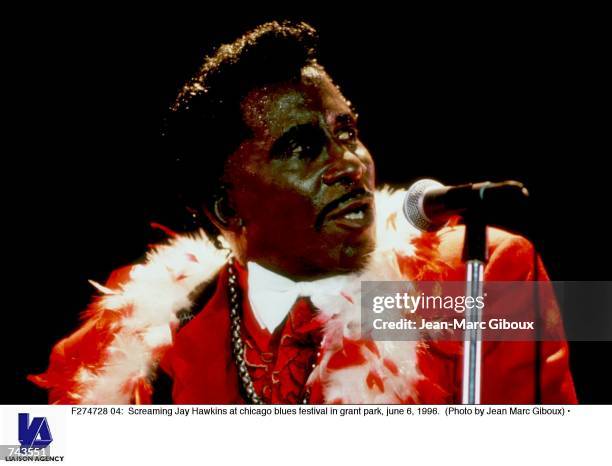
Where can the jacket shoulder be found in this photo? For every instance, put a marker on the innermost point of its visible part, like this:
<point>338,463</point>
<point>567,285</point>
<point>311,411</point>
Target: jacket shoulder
<point>511,256</point>
<point>83,348</point>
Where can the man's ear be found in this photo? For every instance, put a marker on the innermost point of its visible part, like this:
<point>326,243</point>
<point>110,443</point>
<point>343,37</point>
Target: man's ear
<point>221,213</point>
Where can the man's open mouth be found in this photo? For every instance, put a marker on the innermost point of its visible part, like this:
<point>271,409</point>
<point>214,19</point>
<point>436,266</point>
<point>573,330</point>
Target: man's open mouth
<point>352,210</point>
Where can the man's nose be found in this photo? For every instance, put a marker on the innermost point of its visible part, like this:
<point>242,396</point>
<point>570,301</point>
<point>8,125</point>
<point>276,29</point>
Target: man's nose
<point>347,168</point>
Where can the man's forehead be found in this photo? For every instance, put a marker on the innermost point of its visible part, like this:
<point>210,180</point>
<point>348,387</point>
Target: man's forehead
<point>276,108</point>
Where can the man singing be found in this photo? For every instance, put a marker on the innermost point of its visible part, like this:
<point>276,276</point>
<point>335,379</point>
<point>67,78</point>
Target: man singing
<point>264,307</point>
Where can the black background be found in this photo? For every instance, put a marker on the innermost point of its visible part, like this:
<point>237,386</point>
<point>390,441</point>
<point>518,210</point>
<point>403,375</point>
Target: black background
<point>455,95</point>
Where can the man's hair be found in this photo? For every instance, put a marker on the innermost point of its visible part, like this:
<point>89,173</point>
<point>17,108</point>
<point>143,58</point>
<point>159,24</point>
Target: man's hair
<point>205,124</point>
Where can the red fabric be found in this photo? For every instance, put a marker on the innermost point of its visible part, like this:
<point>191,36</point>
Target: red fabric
<point>202,368</point>
<point>508,367</point>
<point>280,367</point>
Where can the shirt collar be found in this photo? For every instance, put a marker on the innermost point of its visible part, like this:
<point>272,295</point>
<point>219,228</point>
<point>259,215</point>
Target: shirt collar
<point>272,296</point>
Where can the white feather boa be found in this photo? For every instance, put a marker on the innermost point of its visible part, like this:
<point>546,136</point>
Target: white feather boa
<point>163,286</point>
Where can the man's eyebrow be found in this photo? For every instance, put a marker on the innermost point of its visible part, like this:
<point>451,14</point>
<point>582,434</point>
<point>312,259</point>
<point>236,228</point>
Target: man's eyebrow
<point>279,145</point>
<point>296,129</point>
<point>346,119</point>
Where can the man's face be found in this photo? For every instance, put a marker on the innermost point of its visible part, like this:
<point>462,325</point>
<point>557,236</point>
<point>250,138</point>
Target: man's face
<point>303,185</point>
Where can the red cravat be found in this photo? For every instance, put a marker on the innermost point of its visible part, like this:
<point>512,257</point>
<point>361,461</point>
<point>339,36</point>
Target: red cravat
<point>280,363</point>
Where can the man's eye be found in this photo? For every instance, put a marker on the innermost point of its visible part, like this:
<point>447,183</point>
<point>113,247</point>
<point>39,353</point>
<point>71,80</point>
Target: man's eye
<point>296,149</point>
<point>346,135</point>
<point>308,150</point>
<point>304,141</point>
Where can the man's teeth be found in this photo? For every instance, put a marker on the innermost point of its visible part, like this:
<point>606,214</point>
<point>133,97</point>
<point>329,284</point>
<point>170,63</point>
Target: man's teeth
<point>354,215</point>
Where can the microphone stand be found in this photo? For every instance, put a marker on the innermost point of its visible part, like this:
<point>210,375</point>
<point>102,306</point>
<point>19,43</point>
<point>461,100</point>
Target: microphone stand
<point>475,256</point>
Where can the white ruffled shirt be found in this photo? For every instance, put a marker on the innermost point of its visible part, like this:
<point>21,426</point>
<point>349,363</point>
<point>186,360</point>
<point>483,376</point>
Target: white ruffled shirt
<point>272,295</point>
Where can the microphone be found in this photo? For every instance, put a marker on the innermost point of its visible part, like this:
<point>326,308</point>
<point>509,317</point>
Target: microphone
<point>429,204</point>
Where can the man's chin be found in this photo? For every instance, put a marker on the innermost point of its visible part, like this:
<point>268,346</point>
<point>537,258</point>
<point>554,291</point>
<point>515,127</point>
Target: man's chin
<point>354,258</point>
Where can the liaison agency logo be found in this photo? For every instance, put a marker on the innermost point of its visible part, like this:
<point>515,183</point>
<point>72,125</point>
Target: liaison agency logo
<point>34,434</point>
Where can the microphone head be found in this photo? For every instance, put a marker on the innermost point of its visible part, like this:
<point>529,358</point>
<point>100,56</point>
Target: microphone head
<point>413,204</point>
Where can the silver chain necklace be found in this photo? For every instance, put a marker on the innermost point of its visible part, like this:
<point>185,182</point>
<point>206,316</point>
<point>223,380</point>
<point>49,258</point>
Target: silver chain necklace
<point>238,344</point>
